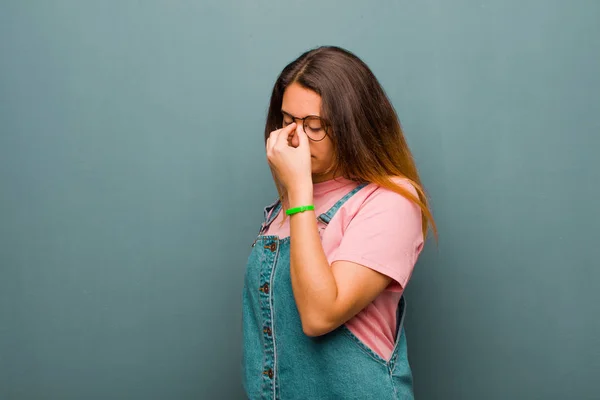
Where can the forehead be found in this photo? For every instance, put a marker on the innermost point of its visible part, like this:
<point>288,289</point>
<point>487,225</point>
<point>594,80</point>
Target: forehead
<point>300,102</point>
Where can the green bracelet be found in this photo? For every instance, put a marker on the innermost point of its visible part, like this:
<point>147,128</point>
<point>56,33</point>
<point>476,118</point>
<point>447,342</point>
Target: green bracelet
<point>300,209</point>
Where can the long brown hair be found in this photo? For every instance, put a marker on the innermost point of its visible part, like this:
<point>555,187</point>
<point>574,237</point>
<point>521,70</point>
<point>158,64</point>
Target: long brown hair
<point>369,145</point>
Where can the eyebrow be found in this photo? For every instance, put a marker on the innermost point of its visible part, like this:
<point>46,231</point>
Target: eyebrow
<point>291,116</point>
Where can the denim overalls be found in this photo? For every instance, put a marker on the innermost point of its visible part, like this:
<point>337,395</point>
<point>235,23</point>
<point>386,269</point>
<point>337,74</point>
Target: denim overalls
<point>281,363</point>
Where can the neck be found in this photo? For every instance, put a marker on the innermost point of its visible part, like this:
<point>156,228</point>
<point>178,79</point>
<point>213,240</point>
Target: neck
<point>318,178</point>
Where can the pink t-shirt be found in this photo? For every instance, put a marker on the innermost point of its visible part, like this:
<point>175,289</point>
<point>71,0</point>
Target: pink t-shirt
<point>378,229</point>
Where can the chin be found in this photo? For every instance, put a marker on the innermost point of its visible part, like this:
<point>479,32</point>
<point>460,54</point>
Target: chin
<point>318,172</point>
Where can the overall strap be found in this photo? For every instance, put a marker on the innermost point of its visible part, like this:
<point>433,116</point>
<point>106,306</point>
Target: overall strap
<point>328,216</point>
<point>272,211</point>
<point>270,215</point>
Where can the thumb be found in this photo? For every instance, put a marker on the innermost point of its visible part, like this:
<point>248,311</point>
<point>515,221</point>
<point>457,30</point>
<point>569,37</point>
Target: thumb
<point>302,137</point>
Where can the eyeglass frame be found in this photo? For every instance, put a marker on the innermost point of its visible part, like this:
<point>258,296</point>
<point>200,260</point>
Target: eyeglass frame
<point>324,124</point>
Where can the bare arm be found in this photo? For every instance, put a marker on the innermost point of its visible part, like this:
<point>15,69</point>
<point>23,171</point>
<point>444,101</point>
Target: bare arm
<point>326,295</point>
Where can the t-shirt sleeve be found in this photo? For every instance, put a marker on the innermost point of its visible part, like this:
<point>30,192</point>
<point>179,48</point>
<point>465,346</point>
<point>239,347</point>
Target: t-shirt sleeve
<point>384,235</point>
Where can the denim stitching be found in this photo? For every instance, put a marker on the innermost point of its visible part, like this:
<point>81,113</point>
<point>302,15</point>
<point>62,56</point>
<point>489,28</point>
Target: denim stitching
<point>275,207</point>
<point>392,383</point>
<point>328,216</point>
<point>264,385</point>
<point>271,291</point>
<point>268,262</point>
<point>270,268</point>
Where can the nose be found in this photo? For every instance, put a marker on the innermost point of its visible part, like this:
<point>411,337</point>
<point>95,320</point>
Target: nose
<point>293,140</point>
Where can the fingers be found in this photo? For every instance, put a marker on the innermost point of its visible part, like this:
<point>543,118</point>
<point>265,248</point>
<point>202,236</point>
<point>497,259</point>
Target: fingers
<point>279,137</point>
<point>302,138</point>
<point>284,135</point>
<point>277,140</point>
<point>272,139</point>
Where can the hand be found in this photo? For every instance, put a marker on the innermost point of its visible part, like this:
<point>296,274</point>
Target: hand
<point>288,154</point>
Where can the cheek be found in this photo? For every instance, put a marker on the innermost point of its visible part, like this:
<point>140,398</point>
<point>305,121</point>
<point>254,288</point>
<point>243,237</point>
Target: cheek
<point>322,151</point>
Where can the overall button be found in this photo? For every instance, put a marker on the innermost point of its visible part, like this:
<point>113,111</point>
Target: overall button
<point>272,246</point>
<point>264,288</point>
<point>269,373</point>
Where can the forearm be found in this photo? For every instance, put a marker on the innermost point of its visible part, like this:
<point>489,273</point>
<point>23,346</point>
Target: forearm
<point>313,282</point>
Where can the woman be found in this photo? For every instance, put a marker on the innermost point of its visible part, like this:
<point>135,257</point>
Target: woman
<point>322,299</point>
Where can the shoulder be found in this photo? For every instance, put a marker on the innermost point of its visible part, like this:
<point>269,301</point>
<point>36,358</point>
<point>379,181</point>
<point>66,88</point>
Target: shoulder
<point>382,230</point>
<point>385,199</point>
<point>376,207</point>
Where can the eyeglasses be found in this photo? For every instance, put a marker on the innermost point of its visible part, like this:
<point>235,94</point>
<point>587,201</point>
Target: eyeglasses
<point>314,126</point>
